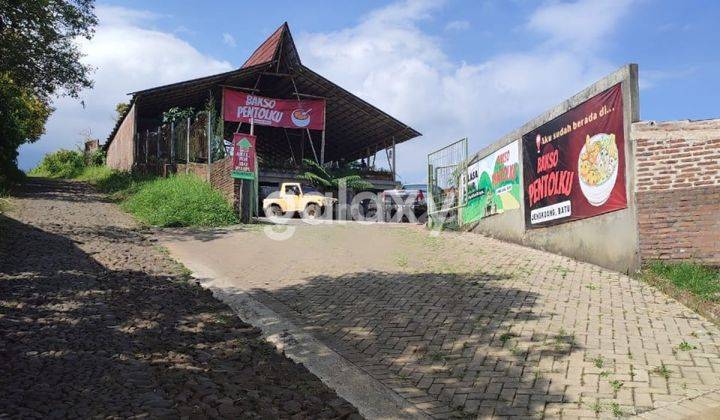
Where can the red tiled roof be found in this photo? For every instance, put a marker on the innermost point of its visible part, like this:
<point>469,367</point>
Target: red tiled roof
<point>266,51</point>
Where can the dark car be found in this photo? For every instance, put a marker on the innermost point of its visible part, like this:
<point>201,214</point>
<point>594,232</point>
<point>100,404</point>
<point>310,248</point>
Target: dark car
<point>402,203</point>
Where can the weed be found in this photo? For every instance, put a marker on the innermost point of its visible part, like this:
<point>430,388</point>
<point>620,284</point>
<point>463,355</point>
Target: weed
<point>604,374</point>
<point>616,410</point>
<point>506,336</point>
<point>599,362</point>
<point>616,385</point>
<point>685,346</point>
<point>564,271</point>
<point>592,286</point>
<point>663,371</point>
<point>517,351</point>
<point>401,260</point>
<point>597,407</point>
<point>436,357</point>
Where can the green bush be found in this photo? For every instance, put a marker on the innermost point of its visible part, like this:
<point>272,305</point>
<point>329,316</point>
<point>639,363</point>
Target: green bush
<point>700,280</point>
<point>96,158</point>
<point>182,200</point>
<point>60,164</point>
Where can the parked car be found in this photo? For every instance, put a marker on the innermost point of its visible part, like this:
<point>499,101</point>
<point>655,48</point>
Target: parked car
<point>406,200</point>
<point>296,198</point>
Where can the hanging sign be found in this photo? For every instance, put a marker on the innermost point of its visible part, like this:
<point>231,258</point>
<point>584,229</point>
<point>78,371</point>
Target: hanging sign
<point>243,156</point>
<point>288,113</point>
<point>574,165</point>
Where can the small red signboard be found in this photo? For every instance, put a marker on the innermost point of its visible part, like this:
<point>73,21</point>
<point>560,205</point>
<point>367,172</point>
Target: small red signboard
<point>287,113</point>
<point>243,156</point>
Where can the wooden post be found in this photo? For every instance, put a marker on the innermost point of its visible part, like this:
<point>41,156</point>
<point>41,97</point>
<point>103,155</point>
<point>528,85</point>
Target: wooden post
<point>157,142</point>
<point>172,142</point>
<point>394,171</point>
<point>322,138</point>
<point>187,148</point>
<point>209,141</point>
<point>147,146</point>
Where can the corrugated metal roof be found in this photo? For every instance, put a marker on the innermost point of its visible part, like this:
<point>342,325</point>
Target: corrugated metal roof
<point>266,52</point>
<point>353,126</point>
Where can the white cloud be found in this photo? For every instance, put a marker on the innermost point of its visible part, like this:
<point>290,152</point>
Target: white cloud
<point>457,25</point>
<point>229,40</point>
<point>581,24</point>
<point>404,71</point>
<point>127,57</point>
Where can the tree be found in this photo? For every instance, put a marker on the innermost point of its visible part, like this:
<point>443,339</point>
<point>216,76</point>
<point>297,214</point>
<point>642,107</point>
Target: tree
<point>22,120</point>
<point>38,48</point>
<point>39,59</point>
<point>325,181</point>
<point>120,110</point>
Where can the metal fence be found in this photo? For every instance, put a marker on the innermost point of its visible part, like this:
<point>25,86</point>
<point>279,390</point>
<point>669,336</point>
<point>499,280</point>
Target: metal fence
<point>445,169</point>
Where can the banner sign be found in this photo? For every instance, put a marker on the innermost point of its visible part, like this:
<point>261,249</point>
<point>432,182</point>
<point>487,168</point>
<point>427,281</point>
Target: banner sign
<point>243,156</point>
<point>493,184</point>
<point>287,113</point>
<point>574,165</point>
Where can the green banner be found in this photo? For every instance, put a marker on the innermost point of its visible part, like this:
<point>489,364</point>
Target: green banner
<point>493,184</point>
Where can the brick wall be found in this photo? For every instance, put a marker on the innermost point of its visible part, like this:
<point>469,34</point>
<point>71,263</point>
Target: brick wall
<point>220,178</point>
<point>677,170</point>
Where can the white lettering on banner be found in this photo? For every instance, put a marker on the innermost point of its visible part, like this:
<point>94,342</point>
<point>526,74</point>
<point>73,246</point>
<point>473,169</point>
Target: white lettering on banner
<point>552,212</point>
<point>263,116</point>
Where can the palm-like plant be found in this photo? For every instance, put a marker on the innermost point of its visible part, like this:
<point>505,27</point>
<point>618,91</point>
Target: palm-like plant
<point>320,178</point>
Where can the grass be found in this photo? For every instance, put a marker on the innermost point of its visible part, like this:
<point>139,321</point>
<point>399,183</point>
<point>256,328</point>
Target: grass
<point>663,371</point>
<point>685,346</point>
<point>182,200</point>
<point>616,385</point>
<point>695,285</point>
<point>616,410</point>
<point>701,281</point>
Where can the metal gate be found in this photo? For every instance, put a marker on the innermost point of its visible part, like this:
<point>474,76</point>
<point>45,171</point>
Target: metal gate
<point>445,169</point>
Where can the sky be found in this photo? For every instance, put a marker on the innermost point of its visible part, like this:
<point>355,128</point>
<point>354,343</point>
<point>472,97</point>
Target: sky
<point>450,69</point>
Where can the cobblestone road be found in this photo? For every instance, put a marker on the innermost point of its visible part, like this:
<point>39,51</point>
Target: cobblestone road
<point>462,325</point>
<point>96,322</point>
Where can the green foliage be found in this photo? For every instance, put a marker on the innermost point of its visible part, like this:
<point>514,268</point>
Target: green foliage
<point>183,200</point>
<point>61,164</point>
<point>685,346</point>
<point>96,158</point>
<point>176,114</point>
<point>22,120</point>
<point>701,281</point>
<point>120,110</point>
<point>321,178</point>
<point>38,44</point>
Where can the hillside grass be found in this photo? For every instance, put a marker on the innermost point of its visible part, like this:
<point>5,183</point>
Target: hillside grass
<point>695,285</point>
<point>181,200</point>
<point>176,201</point>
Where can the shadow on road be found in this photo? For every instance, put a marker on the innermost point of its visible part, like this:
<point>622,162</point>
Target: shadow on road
<point>78,339</point>
<point>452,343</point>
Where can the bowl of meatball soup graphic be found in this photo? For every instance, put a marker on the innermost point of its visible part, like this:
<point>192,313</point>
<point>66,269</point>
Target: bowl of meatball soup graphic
<point>300,117</point>
<point>598,167</point>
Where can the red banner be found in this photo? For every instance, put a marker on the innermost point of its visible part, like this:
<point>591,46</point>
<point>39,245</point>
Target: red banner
<point>287,113</point>
<point>243,153</point>
<point>574,165</point>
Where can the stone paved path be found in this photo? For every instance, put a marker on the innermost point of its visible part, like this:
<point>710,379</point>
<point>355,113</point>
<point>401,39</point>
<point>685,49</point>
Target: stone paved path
<point>464,326</point>
<point>95,321</point>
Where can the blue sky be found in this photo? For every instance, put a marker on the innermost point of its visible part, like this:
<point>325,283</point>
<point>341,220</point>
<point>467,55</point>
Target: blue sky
<point>450,69</point>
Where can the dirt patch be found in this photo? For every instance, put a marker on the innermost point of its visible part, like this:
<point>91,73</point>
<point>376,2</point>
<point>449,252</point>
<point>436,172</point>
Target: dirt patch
<point>96,321</point>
